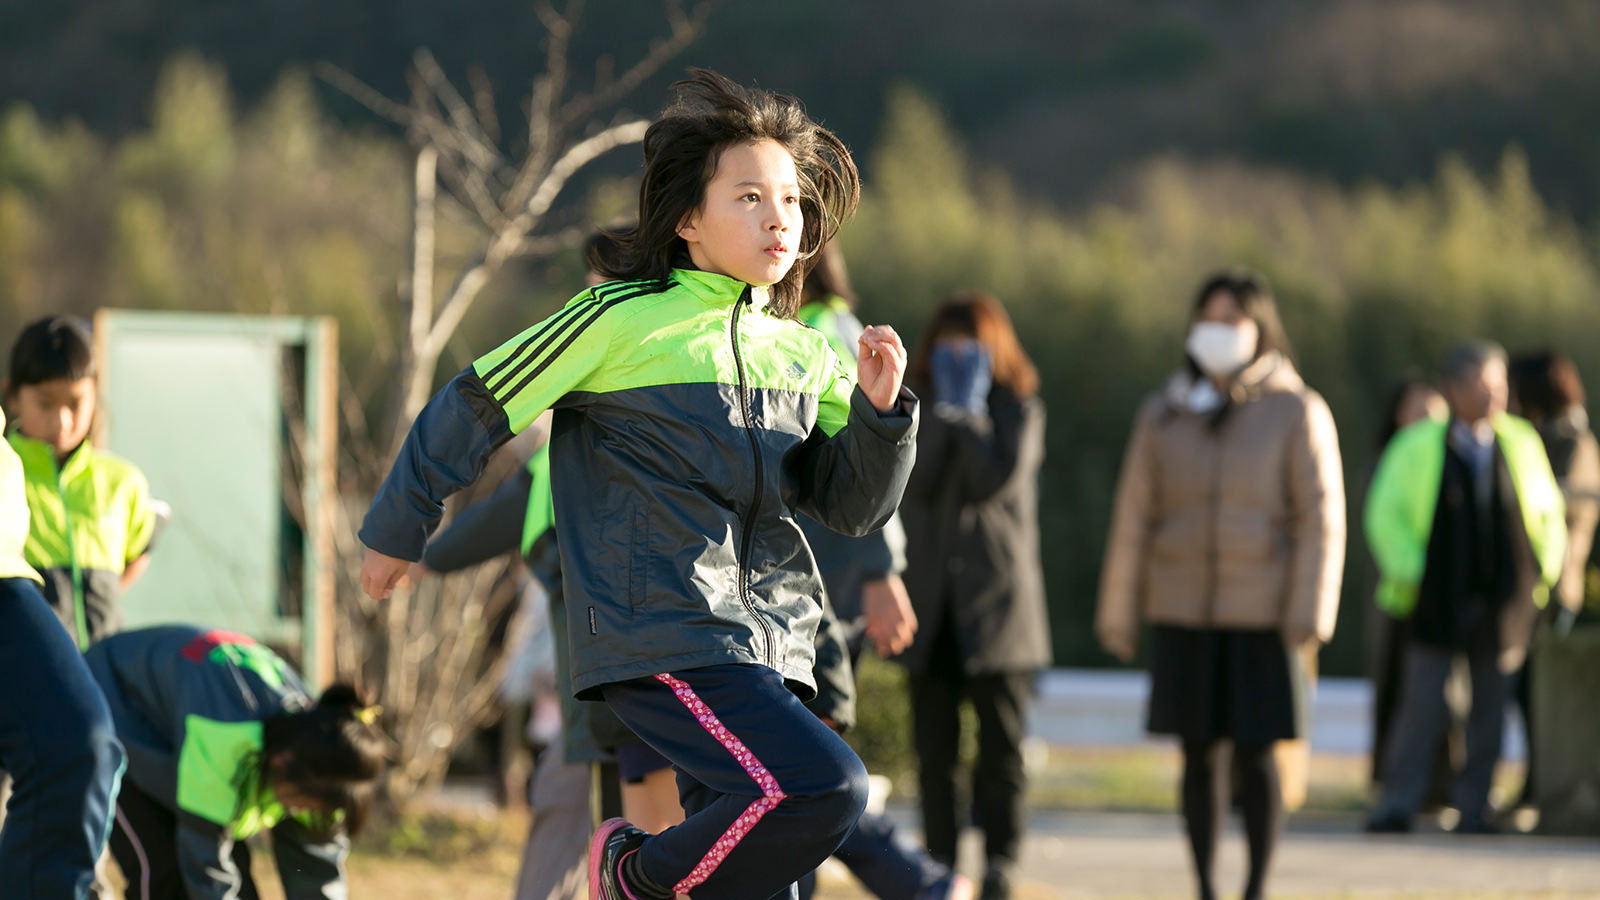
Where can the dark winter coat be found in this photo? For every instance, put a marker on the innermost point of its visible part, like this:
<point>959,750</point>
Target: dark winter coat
<point>972,535</point>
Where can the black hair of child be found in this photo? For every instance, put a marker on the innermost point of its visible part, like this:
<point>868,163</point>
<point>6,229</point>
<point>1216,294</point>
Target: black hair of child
<point>51,348</point>
<point>335,752</point>
<point>681,148</point>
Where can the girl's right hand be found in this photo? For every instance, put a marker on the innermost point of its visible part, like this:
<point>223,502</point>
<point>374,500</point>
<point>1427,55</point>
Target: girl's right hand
<point>381,574</point>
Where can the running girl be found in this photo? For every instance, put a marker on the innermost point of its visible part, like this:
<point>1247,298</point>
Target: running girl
<point>694,418</point>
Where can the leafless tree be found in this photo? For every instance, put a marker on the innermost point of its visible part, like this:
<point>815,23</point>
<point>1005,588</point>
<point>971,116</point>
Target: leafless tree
<point>427,652</point>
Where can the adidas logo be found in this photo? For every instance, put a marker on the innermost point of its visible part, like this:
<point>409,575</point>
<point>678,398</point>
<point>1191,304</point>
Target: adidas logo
<point>796,370</point>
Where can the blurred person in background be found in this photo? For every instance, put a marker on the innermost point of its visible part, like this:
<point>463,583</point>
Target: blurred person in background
<point>973,573</point>
<point>93,520</point>
<point>224,742</point>
<point>1546,390</point>
<point>1411,401</point>
<point>862,578</point>
<point>1228,537</point>
<point>1467,524</point>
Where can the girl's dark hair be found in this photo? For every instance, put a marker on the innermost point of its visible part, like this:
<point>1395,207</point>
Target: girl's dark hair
<point>979,316</point>
<point>1389,425</point>
<point>600,245</point>
<point>51,348</point>
<point>1545,385</point>
<point>1254,297</point>
<point>828,277</point>
<point>335,752</point>
<point>681,151</point>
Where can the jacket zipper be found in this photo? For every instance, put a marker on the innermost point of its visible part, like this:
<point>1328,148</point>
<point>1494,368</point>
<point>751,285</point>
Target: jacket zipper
<point>760,482</point>
<point>80,615</point>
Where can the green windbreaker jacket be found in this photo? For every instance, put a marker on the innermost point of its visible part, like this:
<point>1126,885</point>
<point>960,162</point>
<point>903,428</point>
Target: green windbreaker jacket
<point>691,426</point>
<point>91,516</point>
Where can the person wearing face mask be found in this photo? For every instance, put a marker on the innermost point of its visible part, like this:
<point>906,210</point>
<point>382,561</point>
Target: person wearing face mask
<point>973,572</point>
<point>1468,527</point>
<point>1227,538</point>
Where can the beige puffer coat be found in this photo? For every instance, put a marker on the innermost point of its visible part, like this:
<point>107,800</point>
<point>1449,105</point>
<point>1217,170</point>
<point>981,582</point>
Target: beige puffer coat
<point>1228,519</point>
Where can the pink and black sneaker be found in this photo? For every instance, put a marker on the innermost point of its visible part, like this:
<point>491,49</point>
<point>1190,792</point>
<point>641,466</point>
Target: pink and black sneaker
<point>613,841</point>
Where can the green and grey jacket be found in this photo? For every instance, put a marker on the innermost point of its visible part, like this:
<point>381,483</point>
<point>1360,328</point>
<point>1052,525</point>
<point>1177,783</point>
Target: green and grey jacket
<point>691,427</point>
<point>188,704</point>
<point>91,516</point>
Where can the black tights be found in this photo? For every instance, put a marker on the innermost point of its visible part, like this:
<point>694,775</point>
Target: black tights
<point>1208,794</point>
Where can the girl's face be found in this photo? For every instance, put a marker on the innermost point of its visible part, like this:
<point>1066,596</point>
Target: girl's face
<point>57,412</point>
<point>748,226</point>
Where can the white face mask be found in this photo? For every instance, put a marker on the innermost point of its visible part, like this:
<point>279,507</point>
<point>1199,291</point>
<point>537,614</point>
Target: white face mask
<point>1220,349</point>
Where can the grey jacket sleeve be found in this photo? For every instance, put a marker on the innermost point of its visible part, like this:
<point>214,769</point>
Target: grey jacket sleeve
<point>446,450</point>
<point>311,869</point>
<point>852,482</point>
<point>486,529</point>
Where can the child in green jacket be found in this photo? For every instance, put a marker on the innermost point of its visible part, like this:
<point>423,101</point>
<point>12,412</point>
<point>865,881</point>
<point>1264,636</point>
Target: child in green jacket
<point>93,520</point>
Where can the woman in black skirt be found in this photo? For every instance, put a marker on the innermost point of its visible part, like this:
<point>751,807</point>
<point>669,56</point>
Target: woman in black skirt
<point>1228,538</point>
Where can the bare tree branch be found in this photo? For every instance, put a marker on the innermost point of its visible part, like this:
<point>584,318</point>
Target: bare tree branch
<point>467,131</point>
<point>534,246</point>
<point>423,207</point>
<point>685,28</point>
<point>556,54</point>
<point>483,103</point>
<point>578,156</point>
<point>510,240</point>
<point>545,101</point>
<point>462,295</point>
<point>367,96</point>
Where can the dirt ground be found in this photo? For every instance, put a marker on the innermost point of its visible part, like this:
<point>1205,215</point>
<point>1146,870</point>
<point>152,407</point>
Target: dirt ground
<point>469,852</point>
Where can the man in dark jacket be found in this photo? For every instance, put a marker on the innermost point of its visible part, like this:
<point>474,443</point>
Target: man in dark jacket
<point>1466,522</point>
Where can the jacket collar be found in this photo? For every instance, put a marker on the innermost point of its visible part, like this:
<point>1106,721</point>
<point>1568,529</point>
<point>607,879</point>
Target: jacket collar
<point>719,290</point>
<point>39,456</point>
<point>1271,373</point>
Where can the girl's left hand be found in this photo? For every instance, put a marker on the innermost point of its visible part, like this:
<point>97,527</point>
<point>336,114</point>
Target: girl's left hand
<point>880,366</point>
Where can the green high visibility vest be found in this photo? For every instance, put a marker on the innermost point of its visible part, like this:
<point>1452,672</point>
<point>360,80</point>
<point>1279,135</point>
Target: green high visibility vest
<point>1405,494</point>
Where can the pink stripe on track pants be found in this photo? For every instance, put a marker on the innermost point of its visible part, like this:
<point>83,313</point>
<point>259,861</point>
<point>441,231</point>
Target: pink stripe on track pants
<point>769,791</point>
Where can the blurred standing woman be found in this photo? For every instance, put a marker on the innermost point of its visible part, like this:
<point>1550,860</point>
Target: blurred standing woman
<point>1546,390</point>
<point>973,573</point>
<point>1228,538</point>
